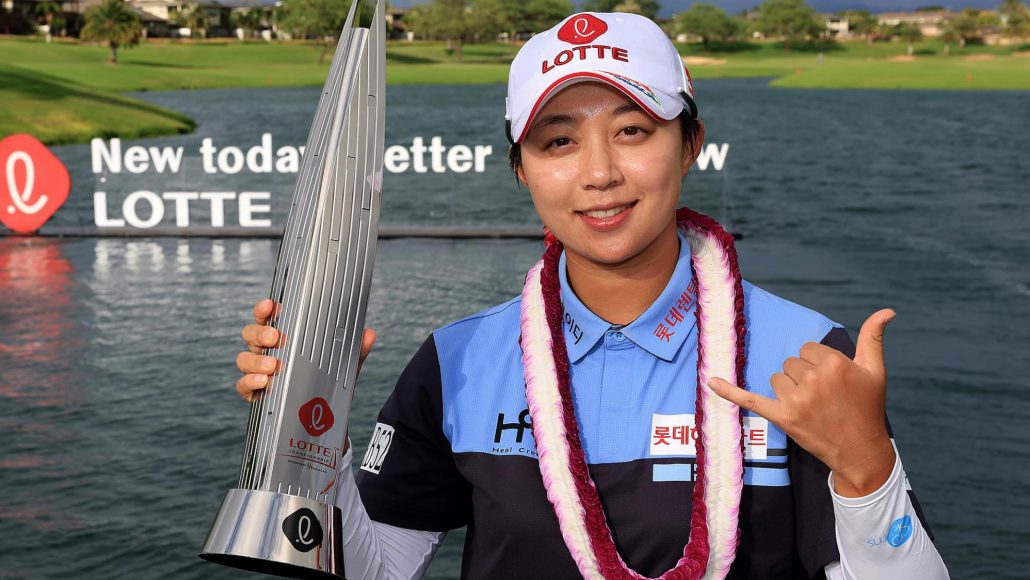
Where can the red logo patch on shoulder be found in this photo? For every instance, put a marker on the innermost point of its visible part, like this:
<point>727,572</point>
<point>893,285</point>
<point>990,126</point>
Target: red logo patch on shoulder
<point>33,183</point>
<point>582,28</point>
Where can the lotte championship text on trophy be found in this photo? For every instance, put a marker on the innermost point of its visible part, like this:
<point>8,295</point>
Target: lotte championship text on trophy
<point>282,518</point>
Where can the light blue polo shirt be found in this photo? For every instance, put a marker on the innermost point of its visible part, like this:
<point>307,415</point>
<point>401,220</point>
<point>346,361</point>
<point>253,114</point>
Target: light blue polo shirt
<point>625,381</point>
<point>461,448</point>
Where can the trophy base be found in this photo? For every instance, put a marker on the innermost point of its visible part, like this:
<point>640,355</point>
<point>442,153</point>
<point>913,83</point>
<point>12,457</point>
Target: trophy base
<point>278,534</point>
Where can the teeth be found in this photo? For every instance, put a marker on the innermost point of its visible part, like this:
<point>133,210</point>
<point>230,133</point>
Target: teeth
<point>607,213</point>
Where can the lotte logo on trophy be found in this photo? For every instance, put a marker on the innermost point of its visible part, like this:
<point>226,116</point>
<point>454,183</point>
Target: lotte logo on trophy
<point>282,519</point>
<point>316,416</point>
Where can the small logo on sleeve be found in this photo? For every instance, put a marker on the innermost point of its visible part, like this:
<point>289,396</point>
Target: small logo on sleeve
<point>303,530</point>
<point>900,531</point>
<point>378,446</point>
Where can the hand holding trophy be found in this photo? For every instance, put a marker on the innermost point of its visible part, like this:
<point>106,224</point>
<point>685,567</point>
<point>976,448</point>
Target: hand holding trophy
<point>281,519</point>
<point>257,367</point>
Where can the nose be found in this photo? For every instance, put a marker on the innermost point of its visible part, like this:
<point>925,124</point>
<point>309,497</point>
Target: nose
<point>599,169</point>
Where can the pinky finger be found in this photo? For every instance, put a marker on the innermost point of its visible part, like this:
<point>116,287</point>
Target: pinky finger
<point>249,385</point>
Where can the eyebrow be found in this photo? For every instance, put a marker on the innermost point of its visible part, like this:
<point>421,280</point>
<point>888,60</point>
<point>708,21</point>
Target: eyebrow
<point>628,108</point>
<point>559,118</point>
<point>556,119</point>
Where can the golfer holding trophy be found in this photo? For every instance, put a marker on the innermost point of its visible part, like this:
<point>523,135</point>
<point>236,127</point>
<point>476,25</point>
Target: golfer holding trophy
<point>638,411</point>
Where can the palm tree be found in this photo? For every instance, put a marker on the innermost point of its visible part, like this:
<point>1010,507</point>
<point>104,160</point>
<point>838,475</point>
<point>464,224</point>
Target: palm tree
<point>193,17</point>
<point>910,33</point>
<point>113,23</point>
<point>1017,18</point>
<point>963,27</point>
<point>48,9</point>
<point>250,20</point>
<point>948,36</point>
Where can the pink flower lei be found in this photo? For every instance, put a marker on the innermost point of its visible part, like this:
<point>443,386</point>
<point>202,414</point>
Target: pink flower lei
<point>714,532</point>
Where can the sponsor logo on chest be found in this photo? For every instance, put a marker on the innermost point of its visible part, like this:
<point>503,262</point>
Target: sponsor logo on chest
<point>514,435</point>
<point>676,435</point>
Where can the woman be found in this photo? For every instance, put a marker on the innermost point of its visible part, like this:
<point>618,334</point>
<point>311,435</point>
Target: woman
<point>591,427</point>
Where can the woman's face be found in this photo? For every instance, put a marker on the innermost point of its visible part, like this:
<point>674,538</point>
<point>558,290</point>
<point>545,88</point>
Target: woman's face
<point>604,175</point>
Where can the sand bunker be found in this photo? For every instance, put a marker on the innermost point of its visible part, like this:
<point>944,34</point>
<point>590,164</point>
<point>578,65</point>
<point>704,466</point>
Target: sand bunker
<point>902,58</point>
<point>1021,54</point>
<point>703,60</point>
<point>980,57</point>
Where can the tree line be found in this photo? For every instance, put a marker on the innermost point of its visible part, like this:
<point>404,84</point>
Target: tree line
<point>458,22</point>
<point>795,20</point>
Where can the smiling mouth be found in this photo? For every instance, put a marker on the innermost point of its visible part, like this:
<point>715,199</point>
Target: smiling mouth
<point>600,214</point>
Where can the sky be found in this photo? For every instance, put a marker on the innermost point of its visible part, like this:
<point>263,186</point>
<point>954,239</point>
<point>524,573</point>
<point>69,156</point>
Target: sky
<point>734,6</point>
<point>670,7</point>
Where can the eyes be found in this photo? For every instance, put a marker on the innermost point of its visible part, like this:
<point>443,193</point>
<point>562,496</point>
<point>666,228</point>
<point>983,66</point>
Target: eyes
<point>558,143</point>
<point>630,133</point>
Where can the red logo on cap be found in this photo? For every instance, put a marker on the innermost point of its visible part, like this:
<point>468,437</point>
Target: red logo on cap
<point>316,416</point>
<point>33,183</point>
<point>582,28</point>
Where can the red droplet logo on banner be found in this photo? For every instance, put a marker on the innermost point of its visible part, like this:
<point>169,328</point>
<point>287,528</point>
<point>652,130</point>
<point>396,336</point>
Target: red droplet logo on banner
<point>582,28</point>
<point>316,416</point>
<point>33,183</point>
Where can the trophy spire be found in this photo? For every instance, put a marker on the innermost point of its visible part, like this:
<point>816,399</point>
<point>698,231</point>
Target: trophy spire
<point>281,519</point>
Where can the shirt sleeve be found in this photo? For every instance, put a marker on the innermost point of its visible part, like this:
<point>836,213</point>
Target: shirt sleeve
<point>878,537</point>
<point>408,477</point>
<point>815,532</point>
<point>374,550</point>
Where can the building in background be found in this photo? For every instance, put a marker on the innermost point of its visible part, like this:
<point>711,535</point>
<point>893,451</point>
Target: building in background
<point>837,26</point>
<point>396,25</point>
<point>183,18</point>
<point>932,23</point>
<point>22,16</point>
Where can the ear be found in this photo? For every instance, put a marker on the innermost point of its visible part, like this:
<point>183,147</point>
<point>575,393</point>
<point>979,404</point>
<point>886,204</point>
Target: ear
<point>692,148</point>
<point>521,175</point>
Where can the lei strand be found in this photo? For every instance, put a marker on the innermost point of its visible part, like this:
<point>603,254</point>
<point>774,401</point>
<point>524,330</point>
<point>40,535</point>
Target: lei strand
<point>719,309</point>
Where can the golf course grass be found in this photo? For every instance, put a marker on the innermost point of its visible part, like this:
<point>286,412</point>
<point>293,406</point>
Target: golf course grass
<point>58,111</point>
<point>66,92</point>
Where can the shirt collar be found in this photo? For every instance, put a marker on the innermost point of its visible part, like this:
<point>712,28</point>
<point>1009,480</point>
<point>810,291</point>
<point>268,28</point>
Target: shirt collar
<point>583,328</point>
<point>661,330</point>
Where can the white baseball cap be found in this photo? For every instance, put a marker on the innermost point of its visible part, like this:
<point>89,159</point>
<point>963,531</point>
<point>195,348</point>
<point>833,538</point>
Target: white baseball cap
<point>627,51</point>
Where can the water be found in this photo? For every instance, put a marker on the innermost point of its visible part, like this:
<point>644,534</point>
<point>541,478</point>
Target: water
<point>120,430</point>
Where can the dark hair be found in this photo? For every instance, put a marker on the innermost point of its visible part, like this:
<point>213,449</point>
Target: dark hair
<point>689,125</point>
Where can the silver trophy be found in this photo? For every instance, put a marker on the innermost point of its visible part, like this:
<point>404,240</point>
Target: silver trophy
<point>281,519</point>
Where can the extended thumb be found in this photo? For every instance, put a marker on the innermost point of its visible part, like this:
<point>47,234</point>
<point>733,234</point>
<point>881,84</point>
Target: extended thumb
<point>869,347</point>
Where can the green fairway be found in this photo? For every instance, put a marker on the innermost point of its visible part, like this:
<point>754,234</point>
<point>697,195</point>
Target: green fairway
<point>857,65</point>
<point>921,73</point>
<point>162,66</point>
<point>66,92</point>
<point>59,111</point>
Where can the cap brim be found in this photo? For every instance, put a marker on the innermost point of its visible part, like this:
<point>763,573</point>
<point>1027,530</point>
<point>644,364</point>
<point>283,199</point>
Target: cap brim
<point>659,104</point>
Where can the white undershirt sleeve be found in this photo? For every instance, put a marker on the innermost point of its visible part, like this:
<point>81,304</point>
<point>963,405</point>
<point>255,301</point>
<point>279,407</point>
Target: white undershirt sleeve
<point>880,535</point>
<point>374,550</point>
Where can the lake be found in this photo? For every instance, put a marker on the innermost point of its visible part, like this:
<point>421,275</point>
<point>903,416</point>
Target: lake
<point>121,429</point>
